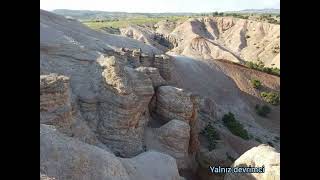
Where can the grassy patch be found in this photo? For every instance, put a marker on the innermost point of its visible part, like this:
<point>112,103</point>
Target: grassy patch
<point>260,67</point>
<point>210,132</point>
<point>234,126</point>
<point>256,83</point>
<point>121,23</point>
<point>271,97</point>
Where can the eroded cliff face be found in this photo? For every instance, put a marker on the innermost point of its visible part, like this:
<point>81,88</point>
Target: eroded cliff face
<point>98,101</point>
<point>233,39</point>
<point>112,107</point>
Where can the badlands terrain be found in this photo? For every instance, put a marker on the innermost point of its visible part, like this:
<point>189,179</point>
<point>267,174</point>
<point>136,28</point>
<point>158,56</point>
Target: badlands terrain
<point>158,102</point>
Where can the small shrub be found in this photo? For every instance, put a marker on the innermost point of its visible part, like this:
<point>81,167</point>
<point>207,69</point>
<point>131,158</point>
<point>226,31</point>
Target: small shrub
<point>263,111</point>
<point>212,135</point>
<point>256,83</point>
<point>271,97</point>
<point>260,67</point>
<point>247,36</point>
<point>234,126</point>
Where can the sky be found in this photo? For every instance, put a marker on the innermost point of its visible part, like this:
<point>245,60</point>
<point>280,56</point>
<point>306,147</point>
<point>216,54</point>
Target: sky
<point>156,6</point>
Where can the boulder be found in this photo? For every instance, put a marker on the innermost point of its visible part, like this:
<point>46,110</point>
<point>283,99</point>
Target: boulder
<point>173,139</point>
<point>262,155</point>
<point>63,157</point>
<point>153,74</point>
<point>173,103</point>
<point>152,165</point>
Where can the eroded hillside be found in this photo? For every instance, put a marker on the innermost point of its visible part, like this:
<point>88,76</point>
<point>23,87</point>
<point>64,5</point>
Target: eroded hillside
<point>228,38</point>
<point>111,106</point>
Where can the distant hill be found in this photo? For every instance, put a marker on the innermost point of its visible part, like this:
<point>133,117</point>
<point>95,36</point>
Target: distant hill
<point>258,11</point>
<point>87,15</point>
<point>93,15</point>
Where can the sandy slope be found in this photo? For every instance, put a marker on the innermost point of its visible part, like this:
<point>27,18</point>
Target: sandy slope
<point>230,92</point>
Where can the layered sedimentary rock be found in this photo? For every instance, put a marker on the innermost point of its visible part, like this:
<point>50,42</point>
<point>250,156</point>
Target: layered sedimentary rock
<point>260,156</point>
<point>154,75</point>
<point>173,103</point>
<point>55,104</point>
<point>178,137</point>
<point>124,99</point>
<point>173,139</point>
<point>63,157</point>
<point>163,63</point>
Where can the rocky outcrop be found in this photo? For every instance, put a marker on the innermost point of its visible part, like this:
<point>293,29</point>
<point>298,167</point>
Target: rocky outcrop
<point>260,156</point>
<point>145,35</point>
<point>55,104</point>
<point>45,177</point>
<point>63,157</point>
<point>152,165</point>
<point>173,103</point>
<point>173,139</point>
<point>178,137</point>
<point>163,63</point>
<point>194,142</point>
<point>154,75</point>
<point>124,99</point>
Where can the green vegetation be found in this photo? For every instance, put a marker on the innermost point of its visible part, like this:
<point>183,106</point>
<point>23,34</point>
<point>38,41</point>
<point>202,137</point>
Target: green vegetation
<point>271,97</point>
<point>260,67</point>
<point>269,19</point>
<point>121,23</point>
<point>237,15</point>
<point>234,126</point>
<point>212,135</point>
<point>217,14</point>
<point>256,83</point>
<point>263,110</point>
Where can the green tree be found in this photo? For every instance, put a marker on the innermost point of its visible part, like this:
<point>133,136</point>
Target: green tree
<point>212,136</point>
<point>256,83</point>
<point>234,126</point>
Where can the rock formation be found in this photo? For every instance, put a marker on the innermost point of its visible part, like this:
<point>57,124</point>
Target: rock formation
<point>172,138</point>
<point>112,107</point>
<point>55,104</point>
<point>229,38</point>
<point>173,103</point>
<point>63,157</point>
<point>259,156</point>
